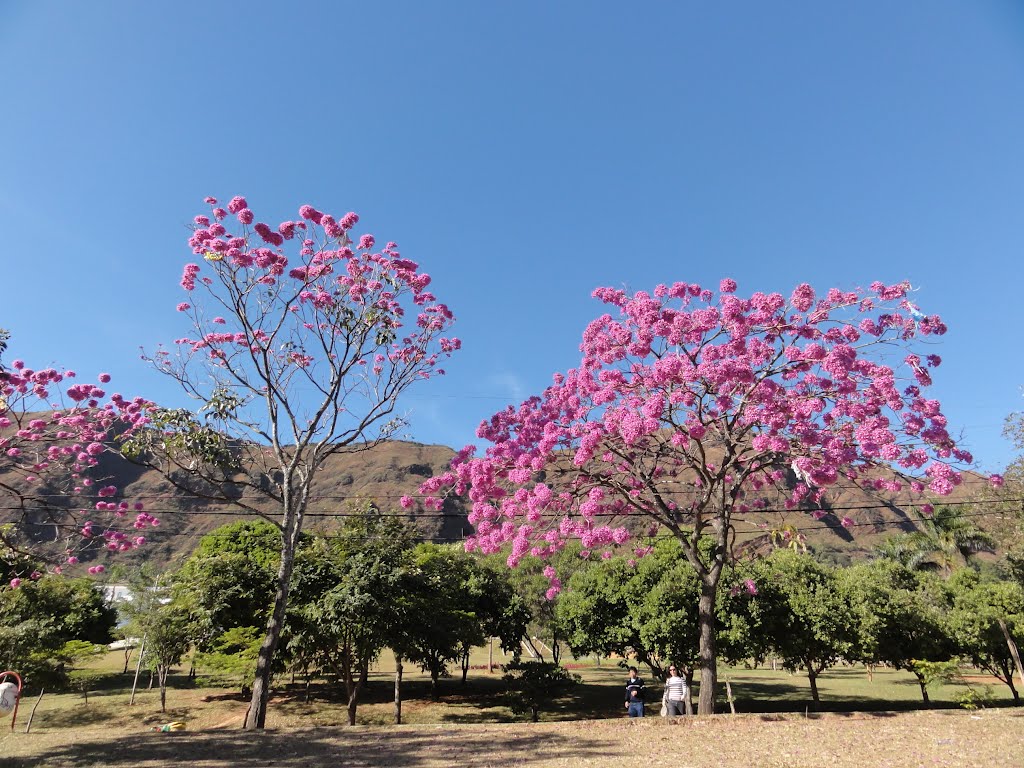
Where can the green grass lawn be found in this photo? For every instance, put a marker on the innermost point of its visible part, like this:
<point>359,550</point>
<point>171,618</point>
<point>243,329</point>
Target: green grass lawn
<point>210,702</point>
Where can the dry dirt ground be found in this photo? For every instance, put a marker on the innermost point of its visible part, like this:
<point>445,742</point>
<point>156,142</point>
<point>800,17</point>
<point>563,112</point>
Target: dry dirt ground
<point>989,738</point>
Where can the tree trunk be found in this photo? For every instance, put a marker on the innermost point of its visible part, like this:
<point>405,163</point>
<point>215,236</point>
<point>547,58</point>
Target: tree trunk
<point>398,689</point>
<point>435,691</point>
<point>707,655</point>
<point>1008,674</point>
<point>162,673</point>
<point>354,686</point>
<point>32,714</point>
<point>812,676</point>
<point>688,700</point>
<point>465,664</point>
<point>1014,651</point>
<point>353,704</point>
<point>924,687</point>
<point>138,667</point>
<point>256,718</point>
<point>536,713</point>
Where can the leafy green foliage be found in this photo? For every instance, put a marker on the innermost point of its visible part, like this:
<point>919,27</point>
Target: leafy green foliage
<point>351,599</point>
<point>899,617</point>
<point>40,618</point>
<point>803,613</point>
<point>532,684</point>
<point>229,580</point>
<point>646,609</point>
<point>983,614</point>
<point>234,653</point>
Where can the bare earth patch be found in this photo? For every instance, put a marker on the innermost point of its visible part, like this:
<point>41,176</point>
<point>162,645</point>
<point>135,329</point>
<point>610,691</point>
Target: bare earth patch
<point>991,738</point>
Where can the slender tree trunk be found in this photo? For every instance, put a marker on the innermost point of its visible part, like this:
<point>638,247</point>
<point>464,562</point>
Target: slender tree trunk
<point>138,667</point>
<point>1014,650</point>
<point>924,687</point>
<point>435,690</point>
<point>536,713</point>
<point>398,689</point>
<point>465,664</point>
<point>688,700</point>
<point>32,714</point>
<point>353,704</point>
<point>127,657</point>
<point>812,676</point>
<point>707,654</point>
<point>355,689</point>
<point>1008,679</point>
<point>256,718</point>
<point>162,674</point>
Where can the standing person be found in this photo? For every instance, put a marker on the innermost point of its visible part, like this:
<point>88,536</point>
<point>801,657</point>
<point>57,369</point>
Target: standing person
<point>634,694</point>
<point>675,693</point>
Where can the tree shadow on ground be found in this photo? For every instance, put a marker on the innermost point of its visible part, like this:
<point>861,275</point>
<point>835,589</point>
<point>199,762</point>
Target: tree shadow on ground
<point>395,748</point>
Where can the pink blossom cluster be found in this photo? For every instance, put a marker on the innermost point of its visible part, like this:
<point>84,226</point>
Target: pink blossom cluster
<point>332,284</point>
<point>688,405</point>
<point>53,432</point>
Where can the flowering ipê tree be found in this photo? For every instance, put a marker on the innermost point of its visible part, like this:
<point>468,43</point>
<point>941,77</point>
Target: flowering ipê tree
<point>55,501</point>
<point>689,408</point>
<point>294,359</point>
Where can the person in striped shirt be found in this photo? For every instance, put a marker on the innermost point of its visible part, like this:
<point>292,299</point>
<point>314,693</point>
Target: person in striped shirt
<point>675,693</point>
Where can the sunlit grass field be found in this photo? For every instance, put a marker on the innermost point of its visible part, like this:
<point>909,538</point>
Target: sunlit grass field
<point>211,702</point>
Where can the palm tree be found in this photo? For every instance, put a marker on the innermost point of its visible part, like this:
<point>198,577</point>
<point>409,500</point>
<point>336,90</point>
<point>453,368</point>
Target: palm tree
<point>955,537</point>
<point>911,550</point>
<point>945,540</point>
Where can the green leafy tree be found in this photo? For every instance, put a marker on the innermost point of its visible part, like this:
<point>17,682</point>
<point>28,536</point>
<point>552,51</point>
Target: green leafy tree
<point>167,642</point>
<point>234,654</point>
<point>447,623</point>
<point>500,612</point>
<point>349,598</point>
<point>985,621</point>
<point>644,609</point>
<point>534,684</point>
<point>807,617</point>
<point>75,653</point>
<point>544,633</point>
<point>39,618</point>
<point>898,623</point>
<point>228,582</point>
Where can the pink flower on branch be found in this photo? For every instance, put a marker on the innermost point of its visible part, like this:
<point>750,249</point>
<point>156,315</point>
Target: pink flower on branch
<point>72,428</point>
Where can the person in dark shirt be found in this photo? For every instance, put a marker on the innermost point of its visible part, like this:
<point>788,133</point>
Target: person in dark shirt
<point>634,694</point>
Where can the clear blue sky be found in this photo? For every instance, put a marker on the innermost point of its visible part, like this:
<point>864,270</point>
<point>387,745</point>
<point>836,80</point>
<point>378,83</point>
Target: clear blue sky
<point>524,153</point>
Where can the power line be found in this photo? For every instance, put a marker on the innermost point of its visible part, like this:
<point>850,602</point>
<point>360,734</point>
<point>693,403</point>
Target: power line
<point>233,511</point>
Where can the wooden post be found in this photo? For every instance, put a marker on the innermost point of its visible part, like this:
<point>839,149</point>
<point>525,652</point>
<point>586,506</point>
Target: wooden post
<point>32,714</point>
<point>138,666</point>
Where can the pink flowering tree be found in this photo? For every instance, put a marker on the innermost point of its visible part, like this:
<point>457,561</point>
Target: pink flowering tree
<point>690,408</point>
<point>54,431</point>
<point>303,338</point>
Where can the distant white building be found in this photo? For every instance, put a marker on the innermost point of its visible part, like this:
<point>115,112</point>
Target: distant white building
<point>117,593</point>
